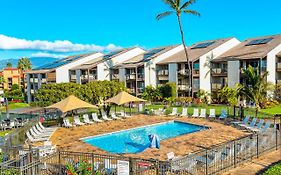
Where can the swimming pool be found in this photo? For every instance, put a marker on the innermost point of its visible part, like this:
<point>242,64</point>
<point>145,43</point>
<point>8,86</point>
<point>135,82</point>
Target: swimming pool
<point>136,140</point>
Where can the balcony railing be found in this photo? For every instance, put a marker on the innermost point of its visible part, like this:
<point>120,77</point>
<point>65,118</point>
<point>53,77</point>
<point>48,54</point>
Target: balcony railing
<point>196,72</point>
<point>140,76</point>
<point>183,72</point>
<point>217,86</point>
<point>44,80</point>
<point>183,87</point>
<point>140,90</point>
<point>73,77</point>
<point>130,76</point>
<point>219,72</point>
<point>196,87</point>
<point>278,82</point>
<point>31,80</point>
<point>132,90</point>
<point>115,76</point>
<point>163,72</point>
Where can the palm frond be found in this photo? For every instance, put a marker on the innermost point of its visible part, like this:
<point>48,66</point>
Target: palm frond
<point>193,12</point>
<point>170,3</point>
<point>177,3</point>
<point>187,4</point>
<point>164,14</point>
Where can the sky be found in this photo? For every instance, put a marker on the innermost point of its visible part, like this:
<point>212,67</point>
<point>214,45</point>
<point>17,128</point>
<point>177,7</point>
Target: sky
<point>57,28</point>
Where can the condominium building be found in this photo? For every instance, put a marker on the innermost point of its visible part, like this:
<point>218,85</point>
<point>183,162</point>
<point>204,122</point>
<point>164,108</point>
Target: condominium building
<point>140,71</point>
<point>175,68</point>
<point>99,68</point>
<point>262,53</point>
<point>56,72</point>
<point>11,76</point>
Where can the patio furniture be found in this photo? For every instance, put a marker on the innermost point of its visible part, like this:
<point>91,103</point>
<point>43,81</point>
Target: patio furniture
<point>66,123</point>
<point>223,114</point>
<point>95,118</point>
<point>212,113</point>
<point>174,112</point>
<point>184,112</point>
<point>266,127</point>
<point>31,139</point>
<point>77,121</point>
<point>244,122</point>
<point>256,128</point>
<point>252,124</point>
<point>86,119</point>
<point>203,113</point>
<point>104,117</point>
<point>195,112</point>
<point>113,115</point>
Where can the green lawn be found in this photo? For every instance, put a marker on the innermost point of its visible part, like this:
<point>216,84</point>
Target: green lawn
<point>273,110</point>
<point>14,106</point>
<point>274,170</point>
<point>3,133</point>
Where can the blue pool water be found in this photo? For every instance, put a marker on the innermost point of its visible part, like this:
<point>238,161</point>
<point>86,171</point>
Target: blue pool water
<point>136,140</point>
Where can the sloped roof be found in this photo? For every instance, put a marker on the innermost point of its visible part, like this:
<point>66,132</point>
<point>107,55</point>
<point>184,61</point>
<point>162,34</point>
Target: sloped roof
<point>93,63</point>
<point>193,52</point>
<point>148,55</point>
<point>246,51</point>
<point>279,54</point>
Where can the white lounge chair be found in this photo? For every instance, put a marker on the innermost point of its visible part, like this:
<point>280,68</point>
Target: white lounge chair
<point>203,113</point>
<point>174,112</point>
<point>42,130</point>
<point>86,119</point>
<point>47,129</point>
<point>113,115</point>
<point>195,112</point>
<point>123,114</point>
<point>104,117</point>
<point>95,118</point>
<point>184,112</point>
<point>212,113</point>
<point>171,156</point>
<point>46,149</point>
<point>31,139</point>
<point>66,123</point>
<point>36,135</point>
<point>42,134</point>
<point>77,121</point>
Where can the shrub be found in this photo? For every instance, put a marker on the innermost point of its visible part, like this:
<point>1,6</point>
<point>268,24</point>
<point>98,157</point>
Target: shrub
<point>277,93</point>
<point>274,170</point>
<point>169,90</point>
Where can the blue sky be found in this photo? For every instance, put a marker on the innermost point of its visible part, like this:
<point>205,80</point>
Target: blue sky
<point>105,25</point>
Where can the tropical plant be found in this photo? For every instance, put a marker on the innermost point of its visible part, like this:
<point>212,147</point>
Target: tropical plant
<point>9,64</point>
<point>152,94</point>
<point>15,93</point>
<point>168,90</point>
<point>24,64</point>
<point>256,87</point>
<point>277,93</point>
<point>204,96</point>
<point>83,168</point>
<point>178,7</point>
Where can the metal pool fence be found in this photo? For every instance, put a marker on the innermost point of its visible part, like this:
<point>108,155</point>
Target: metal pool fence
<point>209,161</point>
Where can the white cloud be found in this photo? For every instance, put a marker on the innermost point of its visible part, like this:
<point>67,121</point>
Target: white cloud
<point>12,43</point>
<point>44,54</point>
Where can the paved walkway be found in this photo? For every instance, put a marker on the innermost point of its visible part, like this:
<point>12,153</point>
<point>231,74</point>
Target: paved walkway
<point>256,165</point>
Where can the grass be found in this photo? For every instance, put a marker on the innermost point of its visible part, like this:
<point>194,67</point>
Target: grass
<point>273,110</point>
<point>3,133</point>
<point>274,170</point>
<point>14,106</point>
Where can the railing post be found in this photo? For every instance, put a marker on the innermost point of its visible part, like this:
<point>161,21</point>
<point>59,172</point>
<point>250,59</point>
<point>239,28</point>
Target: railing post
<point>93,163</point>
<point>131,166</point>
<point>157,166</point>
<point>206,162</point>
<point>257,145</point>
<point>234,154</point>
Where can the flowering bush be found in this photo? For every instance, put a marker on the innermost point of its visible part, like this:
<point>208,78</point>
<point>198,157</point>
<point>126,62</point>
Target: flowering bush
<point>83,168</point>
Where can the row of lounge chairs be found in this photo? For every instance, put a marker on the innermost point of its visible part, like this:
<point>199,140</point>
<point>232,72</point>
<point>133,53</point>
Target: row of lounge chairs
<point>39,133</point>
<point>253,125</point>
<point>95,119</point>
<point>202,114</point>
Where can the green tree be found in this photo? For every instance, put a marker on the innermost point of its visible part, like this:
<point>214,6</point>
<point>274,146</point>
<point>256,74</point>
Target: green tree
<point>256,87</point>
<point>179,7</point>
<point>24,64</point>
<point>152,94</point>
<point>9,64</point>
<point>168,90</point>
<point>203,96</point>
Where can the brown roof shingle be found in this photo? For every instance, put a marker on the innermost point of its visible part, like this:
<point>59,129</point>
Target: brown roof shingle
<point>245,51</point>
<point>193,53</point>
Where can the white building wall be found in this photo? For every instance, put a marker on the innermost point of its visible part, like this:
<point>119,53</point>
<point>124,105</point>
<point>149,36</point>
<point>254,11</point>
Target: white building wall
<point>233,73</point>
<point>271,64</point>
<point>173,73</point>
<point>103,71</point>
<point>62,73</point>
<point>204,62</point>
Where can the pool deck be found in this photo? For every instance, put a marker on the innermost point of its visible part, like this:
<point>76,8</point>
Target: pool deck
<point>69,139</point>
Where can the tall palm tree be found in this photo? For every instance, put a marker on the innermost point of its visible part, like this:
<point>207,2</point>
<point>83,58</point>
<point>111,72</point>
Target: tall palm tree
<point>24,64</point>
<point>9,65</point>
<point>178,7</point>
<point>256,87</point>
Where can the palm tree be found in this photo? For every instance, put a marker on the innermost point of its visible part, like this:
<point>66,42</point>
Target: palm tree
<point>9,64</point>
<point>178,7</point>
<point>257,87</point>
<point>24,64</point>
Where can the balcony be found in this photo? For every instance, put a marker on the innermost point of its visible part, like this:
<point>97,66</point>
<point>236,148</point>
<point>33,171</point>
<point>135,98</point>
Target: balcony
<point>183,72</point>
<point>140,90</point>
<point>278,82</point>
<point>219,72</point>
<point>140,76</point>
<point>32,91</point>
<point>72,77</point>
<point>216,86</point>
<point>163,72</point>
<point>183,87</point>
<point>31,80</point>
<point>44,80</point>
<point>115,76</point>
<point>132,90</point>
<point>278,67</point>
<point>131,77</point>
<point>196,87</point>
<point>196,73</point>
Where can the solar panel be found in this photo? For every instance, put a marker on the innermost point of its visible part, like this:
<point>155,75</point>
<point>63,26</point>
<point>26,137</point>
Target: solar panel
<point>72,59</point>
<point>152,52</point>
<point>203,45</point>
<point>259,41</point>
<point>111,54</point>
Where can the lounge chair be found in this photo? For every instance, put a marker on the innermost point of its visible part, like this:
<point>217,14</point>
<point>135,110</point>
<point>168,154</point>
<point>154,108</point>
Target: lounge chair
<point>184,112</point>
<point>195,112</point>
<point>40,133</point>
<point>244,122</point>
<point>223,114</point>
<point>77,121</point>
<point>46,149</point>
<point>266,127</point>
<point>95,118</point>
<point>252,124</point>
<point>37,135</point>
<point>86,119</point>
<point>123,114</point>
<point>66,123</point>
<point>104,117</point>
<point>47,129</point>
<point>31,139</point>
<point>203,113</point>
<point>212,113</point>
<point>113,115</point>
<point>42,130</point>
<point>256,128</point>
<point>174,112</point>
<point>171,156</point>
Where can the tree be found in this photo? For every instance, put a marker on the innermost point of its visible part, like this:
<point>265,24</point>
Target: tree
<point>178,7</point>
<point>24,64</point>
<point>152,94</point>
<point>9,64</point>
<point>256,87</point>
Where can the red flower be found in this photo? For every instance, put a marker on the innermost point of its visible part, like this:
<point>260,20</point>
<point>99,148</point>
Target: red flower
<point>89,169</point>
